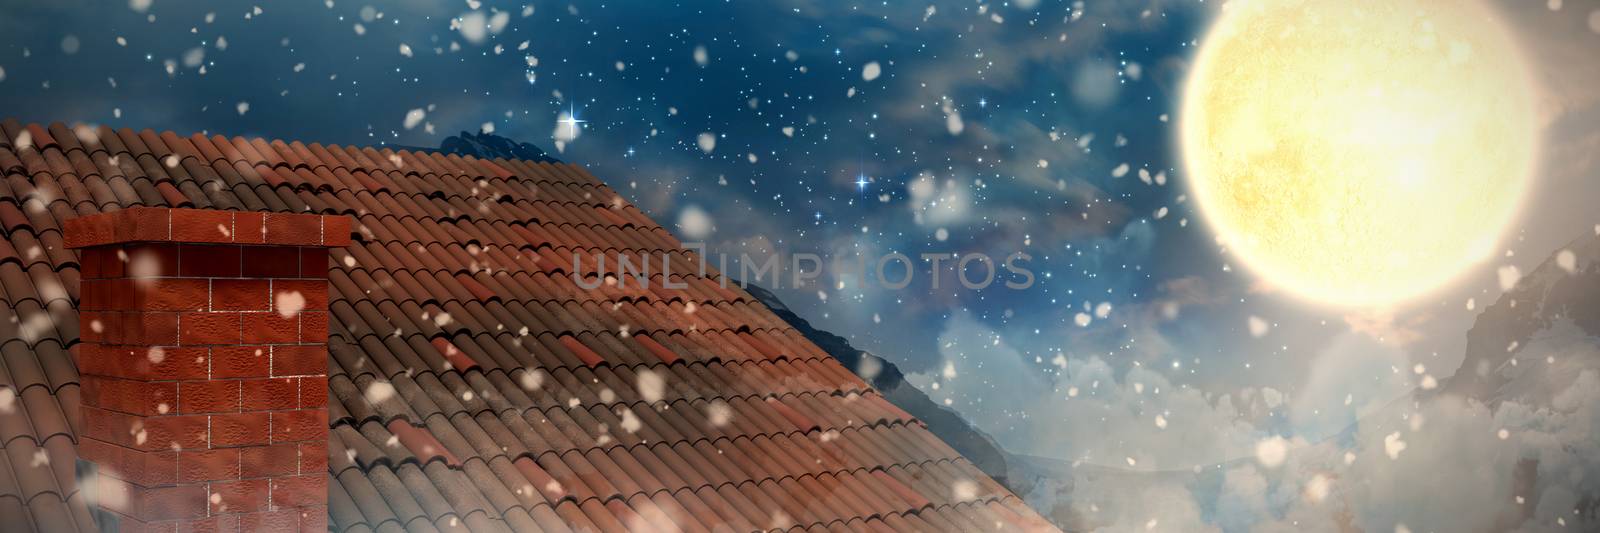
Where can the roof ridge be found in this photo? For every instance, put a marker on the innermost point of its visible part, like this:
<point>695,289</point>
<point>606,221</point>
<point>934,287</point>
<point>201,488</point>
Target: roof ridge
<point>274,153</point>
<point>13,127</point>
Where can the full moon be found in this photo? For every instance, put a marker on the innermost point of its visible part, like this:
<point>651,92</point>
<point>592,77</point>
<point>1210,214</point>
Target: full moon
<point>1358,152</point>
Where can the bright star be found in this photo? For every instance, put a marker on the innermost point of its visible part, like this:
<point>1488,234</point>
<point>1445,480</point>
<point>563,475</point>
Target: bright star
<point>861,182</point>
<point>983,102</point>
<point>571,120</point>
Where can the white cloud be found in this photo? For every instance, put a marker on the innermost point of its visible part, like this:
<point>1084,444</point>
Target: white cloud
<point>1439,464</point>
<point>1351,366</point>
<point>1107,420</point>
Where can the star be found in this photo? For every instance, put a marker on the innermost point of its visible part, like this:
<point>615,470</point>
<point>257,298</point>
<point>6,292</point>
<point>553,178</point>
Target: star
<point>571,120</point>
<point>861,182</point>
<point>983,102</point>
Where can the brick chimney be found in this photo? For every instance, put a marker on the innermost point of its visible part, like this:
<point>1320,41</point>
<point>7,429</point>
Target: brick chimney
<point>204,366</point>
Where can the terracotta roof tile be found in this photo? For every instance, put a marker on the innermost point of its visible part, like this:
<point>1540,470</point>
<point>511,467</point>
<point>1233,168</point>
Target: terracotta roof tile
<point>474,384</point>
<point>420,442</point>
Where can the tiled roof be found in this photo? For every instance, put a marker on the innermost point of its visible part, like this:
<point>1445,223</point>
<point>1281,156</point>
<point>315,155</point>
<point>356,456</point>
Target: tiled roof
<point>474,385</point>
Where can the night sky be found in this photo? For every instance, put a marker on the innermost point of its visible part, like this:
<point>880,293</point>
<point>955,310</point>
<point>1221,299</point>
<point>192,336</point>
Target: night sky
<point>992,127</point>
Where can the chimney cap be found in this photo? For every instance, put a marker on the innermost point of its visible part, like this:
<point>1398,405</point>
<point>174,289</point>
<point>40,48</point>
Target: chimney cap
<point>208,226</point>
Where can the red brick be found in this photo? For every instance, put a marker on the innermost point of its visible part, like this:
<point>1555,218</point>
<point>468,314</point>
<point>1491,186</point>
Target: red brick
<point>121,294</point>
<point>300,491</point>
<point>314,456</point>
<point>144,508</point>
<point>150,328</point>
<point>112,328</point>
<point>107,327</point>
<point>201,261</point>
<point>272,394</point>
<point>299,360</point>
<point>272,262</point>
<point>92,326</point>
<point>144,468</point>
<point>114,494</point>
<point>170,503</point>
<point>228,523</point>
<point>280,520</point>
<point>220,396</point>
<point>183,432</point>
<point>144,433</point>
<point>127,524</point>
<point>294,229</point>
<point>336,231</point>
<point>121,327</point>
<point>314,391</point>
<point>96,295</point>
<point>271,461</point>
<point>208,465</point>
<point>208,328</point>
<point>89,262</point>
<point>113,263</point>
<point>202,225</point>
<point>105,425</point>
<point>143,224</point>
<point>314,262</point>
<point>240,429</point>
<point>313,292</point>
<point>269,328</point>
<point>148,260</point>
<point>141,363</point>
<point>314,327</point>
<point>243,496</point>
<point>240,361</point>
<point>109,456</point>
<point>249,227</point>
<point>314,519</point>
<point>169,294</point>
<point>127,396</point>
<point>241,295</point>
<point>299,425</point>
<point>93,294</point>
<point>88,231</point>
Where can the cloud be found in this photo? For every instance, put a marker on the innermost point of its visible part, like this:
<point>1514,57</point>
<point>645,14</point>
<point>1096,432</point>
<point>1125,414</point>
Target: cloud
<point>1352,376</point>
<point>1527,463</point>
<point>1099,414</point>
<point>1383,326</point>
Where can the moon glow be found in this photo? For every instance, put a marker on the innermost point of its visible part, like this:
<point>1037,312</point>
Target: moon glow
<point>1358,152</point>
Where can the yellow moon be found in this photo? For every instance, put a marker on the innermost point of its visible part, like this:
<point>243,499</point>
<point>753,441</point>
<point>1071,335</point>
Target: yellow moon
<point>1358,152</point>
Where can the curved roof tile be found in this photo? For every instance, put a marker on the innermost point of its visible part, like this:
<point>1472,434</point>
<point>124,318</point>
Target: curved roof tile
<point>475,384</point>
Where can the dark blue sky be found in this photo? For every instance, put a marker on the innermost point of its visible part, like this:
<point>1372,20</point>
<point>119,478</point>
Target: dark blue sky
<point>992,127</point>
